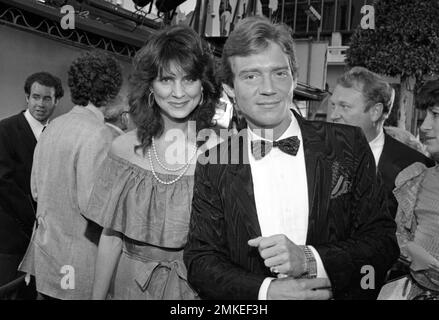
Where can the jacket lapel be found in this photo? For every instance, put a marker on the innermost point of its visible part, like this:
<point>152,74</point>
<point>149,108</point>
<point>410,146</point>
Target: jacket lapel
<point>385,160</point>
<point>241,185</point>
<point>318,171</point>
<point>26,132</point>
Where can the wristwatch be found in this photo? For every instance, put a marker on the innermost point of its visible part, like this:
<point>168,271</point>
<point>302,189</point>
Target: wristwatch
<point>310,264</point>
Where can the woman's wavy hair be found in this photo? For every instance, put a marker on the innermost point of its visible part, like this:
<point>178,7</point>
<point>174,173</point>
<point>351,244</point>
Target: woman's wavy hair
<point>180,45</point>
<point>94,77</point>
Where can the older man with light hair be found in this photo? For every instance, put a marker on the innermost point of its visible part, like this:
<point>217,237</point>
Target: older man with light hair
<point>364,99</point>
<point>117,116</point>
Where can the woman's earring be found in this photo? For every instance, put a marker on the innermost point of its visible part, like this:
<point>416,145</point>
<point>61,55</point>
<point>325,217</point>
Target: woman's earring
<point>201,99</point>
<point>150,98</point>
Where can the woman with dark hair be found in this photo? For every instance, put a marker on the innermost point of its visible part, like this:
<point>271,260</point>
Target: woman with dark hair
<point>417,192</point>
<point>143,193</point>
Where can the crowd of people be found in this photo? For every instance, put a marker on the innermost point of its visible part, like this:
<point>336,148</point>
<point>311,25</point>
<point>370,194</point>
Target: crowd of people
<point>111,200</point>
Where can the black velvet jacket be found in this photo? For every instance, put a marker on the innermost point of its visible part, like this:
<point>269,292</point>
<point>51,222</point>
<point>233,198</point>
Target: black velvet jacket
<point>349,224</point>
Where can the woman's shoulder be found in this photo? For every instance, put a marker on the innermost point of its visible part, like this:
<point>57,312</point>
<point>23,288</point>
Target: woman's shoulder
<point>414,170</point>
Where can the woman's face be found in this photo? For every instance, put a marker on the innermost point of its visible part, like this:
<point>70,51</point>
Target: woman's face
<point>176,93</point>
<point>430,131</point>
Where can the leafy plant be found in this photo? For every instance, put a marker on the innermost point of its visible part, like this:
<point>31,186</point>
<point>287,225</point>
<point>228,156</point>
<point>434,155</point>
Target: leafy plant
<point>404,43</point>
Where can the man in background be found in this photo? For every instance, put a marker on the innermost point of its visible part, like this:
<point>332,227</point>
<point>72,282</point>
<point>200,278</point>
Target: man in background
<point>363,99</point>
<point>117,116</point>
<point>18,137</point>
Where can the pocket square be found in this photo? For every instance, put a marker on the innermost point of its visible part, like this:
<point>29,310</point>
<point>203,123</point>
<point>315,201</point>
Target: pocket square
<point>341,183</point>
<point>342,187</point>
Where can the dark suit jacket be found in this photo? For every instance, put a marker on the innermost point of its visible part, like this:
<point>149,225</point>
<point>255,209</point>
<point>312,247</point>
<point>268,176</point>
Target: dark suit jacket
<point>349,224</point>
<point>17,208</point>
<point>395,157</point>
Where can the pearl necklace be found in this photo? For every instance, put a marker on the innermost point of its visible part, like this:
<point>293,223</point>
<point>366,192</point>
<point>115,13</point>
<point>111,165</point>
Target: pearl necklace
<point>184,167</point>
<point>162,165</point>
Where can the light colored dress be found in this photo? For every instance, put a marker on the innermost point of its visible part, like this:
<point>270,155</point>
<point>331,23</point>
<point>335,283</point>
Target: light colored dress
<point>154,221</point>
<point>417,192</point>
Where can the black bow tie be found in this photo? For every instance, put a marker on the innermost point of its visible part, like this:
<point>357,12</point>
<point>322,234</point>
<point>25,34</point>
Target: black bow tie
<point>260,148</point>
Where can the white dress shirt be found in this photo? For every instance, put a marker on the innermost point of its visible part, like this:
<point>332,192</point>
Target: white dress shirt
<point>36,126</point>
<point>281,195</point>
<point>377,145</point>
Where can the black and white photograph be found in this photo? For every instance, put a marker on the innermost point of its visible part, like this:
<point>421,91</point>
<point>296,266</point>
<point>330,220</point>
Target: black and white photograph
<point>215,155</point>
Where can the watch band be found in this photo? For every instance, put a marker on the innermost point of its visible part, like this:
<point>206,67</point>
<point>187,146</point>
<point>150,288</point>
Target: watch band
<point>310,264</point>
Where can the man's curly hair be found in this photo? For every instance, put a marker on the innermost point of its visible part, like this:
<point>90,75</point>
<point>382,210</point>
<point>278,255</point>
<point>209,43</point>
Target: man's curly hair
<point>94,77</point>
<point>180,45</point>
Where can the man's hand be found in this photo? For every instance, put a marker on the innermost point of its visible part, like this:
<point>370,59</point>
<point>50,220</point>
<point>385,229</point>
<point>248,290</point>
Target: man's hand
<point>280,254</point>
<point>299,289</point>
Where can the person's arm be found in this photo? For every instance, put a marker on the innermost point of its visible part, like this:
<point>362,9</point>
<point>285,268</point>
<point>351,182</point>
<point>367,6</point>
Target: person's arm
<point>109,250</point>
<point>206,255</point>
<point>407,226</point>
<point>299,289</point>
<point>284,257</point>
<point>357,265</point>
<point>91,155</point>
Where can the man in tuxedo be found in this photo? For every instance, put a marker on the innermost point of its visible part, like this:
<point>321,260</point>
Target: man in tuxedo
<point>18,137</point>
<point>362,98</point>
<point>287,209</point>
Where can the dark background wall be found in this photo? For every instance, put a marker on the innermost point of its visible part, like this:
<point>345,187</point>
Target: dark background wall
<point>23,53</point>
